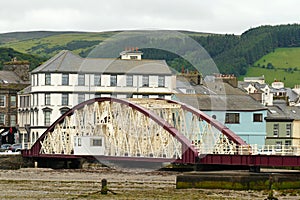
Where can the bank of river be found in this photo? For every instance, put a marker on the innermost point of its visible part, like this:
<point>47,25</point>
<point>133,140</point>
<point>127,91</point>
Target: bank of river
<point>31,183</point>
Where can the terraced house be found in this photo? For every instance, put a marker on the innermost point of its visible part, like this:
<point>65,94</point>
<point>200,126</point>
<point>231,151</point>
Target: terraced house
<point>66,80</point>
<point>13,78</point>
<point>283,125</point>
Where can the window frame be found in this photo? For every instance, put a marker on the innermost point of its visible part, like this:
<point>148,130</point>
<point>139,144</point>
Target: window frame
<point>47,79</point>
<point>47,117</point>
<point>145,81</point>
<point>257,117</point>
<point>13,103</point>
<point>97,81</point>
<point>2,118</point>
<point>129,80</point>
<point>275,130</point>
<point>80,98</point>
<point>96,142</point>
<point>2,100</point>
<point>13,120</point>
<point>47,99</point>
<point>288,128</point>
<point>64,99</point>
<point>161,81</point>
<point>81,80</point>
<point>113,80</point>
<point>65,79</point>
<point>234,120</point>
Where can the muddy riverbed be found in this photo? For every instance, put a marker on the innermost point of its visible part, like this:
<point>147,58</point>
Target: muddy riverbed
<point>39,183</point>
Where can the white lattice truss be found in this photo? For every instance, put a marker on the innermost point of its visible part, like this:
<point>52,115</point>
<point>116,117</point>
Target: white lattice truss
<point>128,132</point>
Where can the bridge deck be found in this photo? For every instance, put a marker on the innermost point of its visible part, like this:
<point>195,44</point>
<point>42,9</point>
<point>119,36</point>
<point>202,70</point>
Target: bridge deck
<point>252,160</point>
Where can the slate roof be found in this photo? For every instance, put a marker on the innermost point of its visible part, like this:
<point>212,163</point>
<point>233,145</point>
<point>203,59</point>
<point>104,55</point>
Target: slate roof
<point>11,77</point>
<point>221,102</point>
<point>216,87</point>
<point>281,112</point>
<point>66,61</point>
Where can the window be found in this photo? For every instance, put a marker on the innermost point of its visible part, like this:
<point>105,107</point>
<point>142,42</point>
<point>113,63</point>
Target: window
<point>161,96</point>
<point>190,91</point>
<point>145,81</point>
<point>13,120</point>
<point>97,80</point>
<point>288,143</point>
<point>13,102</point>
<point>129,95</point>
<point>232,118</point>
<point>129,80</point>
<point>113,80</point>
<point>47,79</point>
<point>257,117</point>
<point>33,80</point>
<point>81,79</point>
<point>79,142</point>
<point>275,130</point>
<point>63,110</point>
<point>65,99</point>
<point>161,81</point>
<point>96,142</point>
<point>97,95</point>
<point>47,99</point>
<point>2,100</point>
<point>133,57</point>
<point>2,119</point>
<point>65,79</point>
<point>288,130</point>
<point>81,98</point>
<point>278,145</point>
<point>47,117</point>
<point>145,96</point>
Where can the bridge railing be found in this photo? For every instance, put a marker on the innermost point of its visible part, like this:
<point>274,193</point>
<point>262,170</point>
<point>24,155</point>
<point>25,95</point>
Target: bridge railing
<point>270,150</point>
<point>280,150</point>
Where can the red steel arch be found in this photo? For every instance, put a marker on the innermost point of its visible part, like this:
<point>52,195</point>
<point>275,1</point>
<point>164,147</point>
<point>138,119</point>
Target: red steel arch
<point>189,152</point>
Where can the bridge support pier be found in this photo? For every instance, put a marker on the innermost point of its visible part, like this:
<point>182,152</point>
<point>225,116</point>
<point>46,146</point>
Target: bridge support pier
<point>255,169</point>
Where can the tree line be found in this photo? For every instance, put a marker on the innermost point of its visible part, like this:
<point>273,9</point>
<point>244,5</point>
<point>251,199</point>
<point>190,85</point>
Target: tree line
<point>233,54</point>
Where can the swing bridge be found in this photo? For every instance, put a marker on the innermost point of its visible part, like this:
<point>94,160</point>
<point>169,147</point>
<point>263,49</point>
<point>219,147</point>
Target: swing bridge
<point>149,130</point>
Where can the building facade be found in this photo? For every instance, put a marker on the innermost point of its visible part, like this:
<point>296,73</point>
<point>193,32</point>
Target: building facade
<point>13,78</point>
<point>67,80</point>
<point>283,125</point>
<point>220,98</point>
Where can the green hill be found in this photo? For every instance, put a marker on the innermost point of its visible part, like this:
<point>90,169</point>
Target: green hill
<point>266,47</point>
<point>283,64</point>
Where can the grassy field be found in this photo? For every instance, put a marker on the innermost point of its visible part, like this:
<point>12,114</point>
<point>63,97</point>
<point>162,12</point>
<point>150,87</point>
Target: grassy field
<point>38,45</point>
<point>289,79</point>
<point>282,58</point>
<point>286,63</point>
<point>55,40</point>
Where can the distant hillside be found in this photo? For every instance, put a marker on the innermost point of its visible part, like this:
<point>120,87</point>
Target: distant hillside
<point>233,54</point>
<point>282,64</point>
<point>19,36</point>
<point>7,54</point>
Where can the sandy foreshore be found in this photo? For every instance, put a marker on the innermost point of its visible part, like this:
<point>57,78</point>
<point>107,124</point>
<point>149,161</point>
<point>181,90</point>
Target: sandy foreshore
<point>41,183</point>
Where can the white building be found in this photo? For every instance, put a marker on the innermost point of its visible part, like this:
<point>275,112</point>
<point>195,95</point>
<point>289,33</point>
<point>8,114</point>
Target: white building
<point>66,80</point>
<point>261,92</point>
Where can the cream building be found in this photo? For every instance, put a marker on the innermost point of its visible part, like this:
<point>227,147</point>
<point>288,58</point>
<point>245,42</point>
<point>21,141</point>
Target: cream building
<point>67,79</point>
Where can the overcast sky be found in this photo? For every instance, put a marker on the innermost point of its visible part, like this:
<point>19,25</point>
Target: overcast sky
<point>216,16</point>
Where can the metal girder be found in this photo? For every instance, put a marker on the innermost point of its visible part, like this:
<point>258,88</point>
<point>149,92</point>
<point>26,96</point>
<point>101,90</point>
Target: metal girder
<point>154,128</point>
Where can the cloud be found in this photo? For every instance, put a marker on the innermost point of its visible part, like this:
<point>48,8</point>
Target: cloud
<point>218,16</point>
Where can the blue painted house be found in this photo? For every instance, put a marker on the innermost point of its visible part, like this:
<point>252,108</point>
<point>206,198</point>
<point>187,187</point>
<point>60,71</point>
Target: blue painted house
<point>237,110</point>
